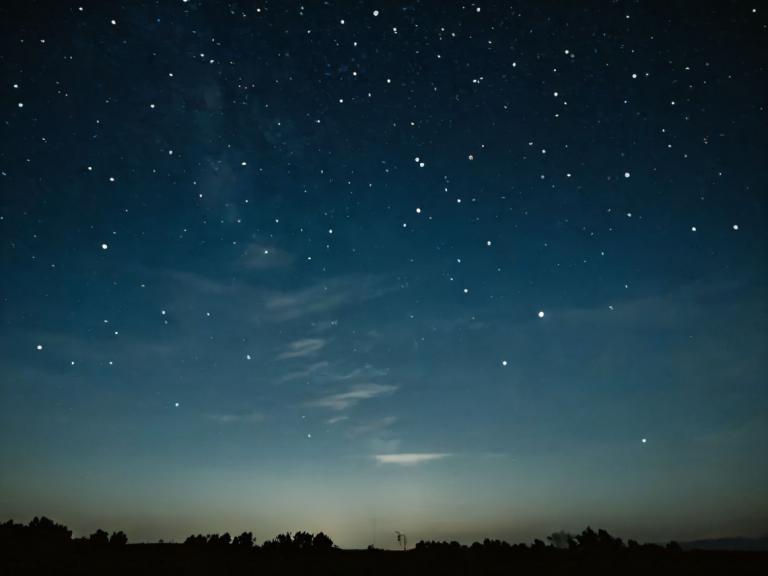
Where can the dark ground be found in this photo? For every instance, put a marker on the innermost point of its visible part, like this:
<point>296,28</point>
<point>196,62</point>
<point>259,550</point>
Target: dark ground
<point>181,559</point>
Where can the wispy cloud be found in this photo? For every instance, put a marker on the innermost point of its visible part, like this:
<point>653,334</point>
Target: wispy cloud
<point>365,372</point>
<point>239,417</point>
<point>312,300</point>
<point>323,298</point>
<point>311,371</point>
<point>353,395</point>
<point>302,348</point>
<point>369,426</point>
<point>409,458</point>
<point>327,372</point>
<point>313,303</point>
<point>336,419</point>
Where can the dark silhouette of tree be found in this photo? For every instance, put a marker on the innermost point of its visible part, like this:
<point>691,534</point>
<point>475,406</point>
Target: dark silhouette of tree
<point>284,540</point>
<point>600,541</point>
<point>219,540</point>
<point>195,540</point>
<point>245,540</point>
<point>13,535</point>
<point>99,538</point>
<point>321,543</point>
<point>673,546</point>
<point>538,545</point>
<point>118,539</point>
<point>281,543</point>
<point>561,539</point>
<point>300,542</point>
<point>449,547</point>
<point>495,545</point>
<point>47,532</point>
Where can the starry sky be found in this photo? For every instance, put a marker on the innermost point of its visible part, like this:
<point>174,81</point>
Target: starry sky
<point>462,270</point>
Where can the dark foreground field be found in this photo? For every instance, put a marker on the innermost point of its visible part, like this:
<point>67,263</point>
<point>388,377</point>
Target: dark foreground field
<point>137,559</point>
<point>44,547</point>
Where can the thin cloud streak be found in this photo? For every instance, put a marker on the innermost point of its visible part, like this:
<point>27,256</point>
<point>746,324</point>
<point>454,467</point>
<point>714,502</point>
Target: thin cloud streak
<point>327,372</point>
<point>323,298</point>
<point>409,458</point>
<point>353,395</point>
<point>336,419</point>
<point>302,348</point>
<point>230,418</point>
<point>370,426</point>
<point>310,371</point>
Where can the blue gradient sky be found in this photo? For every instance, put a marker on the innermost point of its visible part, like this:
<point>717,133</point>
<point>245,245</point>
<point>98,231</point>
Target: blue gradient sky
<point>232,297</point>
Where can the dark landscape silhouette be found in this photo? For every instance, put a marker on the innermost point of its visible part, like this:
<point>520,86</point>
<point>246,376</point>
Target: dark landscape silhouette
<point>46,547</point>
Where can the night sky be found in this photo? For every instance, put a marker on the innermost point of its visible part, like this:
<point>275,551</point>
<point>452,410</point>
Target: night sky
<point>461,270</point>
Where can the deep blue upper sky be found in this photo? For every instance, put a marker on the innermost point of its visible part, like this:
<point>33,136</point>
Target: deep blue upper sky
<point>459,270</point>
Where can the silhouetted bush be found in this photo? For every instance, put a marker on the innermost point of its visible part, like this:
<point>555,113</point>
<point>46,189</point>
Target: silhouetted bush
<point>302,541</point>
<point>46,531</point>
<point>40,532</point>
<point>196,540</point>
<point>245,540</point>
<point>118,539</point>
<point>674,547</point>
<point>219,540</point>
<point>321,543</point>
<point>99,538</point>
<point>600,541</point>
<point>281,542</point>
<point>561,539</point>
<point>299,542</point>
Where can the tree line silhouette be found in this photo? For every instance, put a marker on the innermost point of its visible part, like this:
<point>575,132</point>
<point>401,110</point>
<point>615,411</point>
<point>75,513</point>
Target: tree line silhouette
<point>43,531</point>
<point>298,542</point>
<point>44,546</point>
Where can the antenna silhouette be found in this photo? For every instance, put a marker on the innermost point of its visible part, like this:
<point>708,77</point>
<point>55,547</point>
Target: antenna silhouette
<point>402,538</point>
